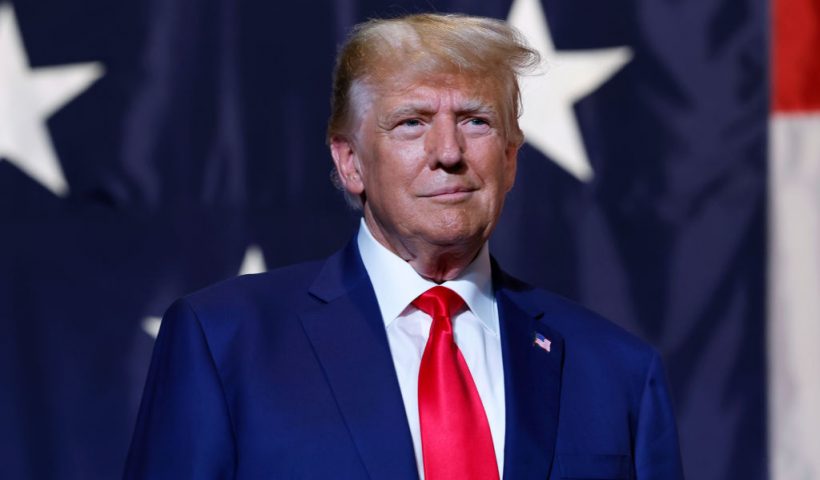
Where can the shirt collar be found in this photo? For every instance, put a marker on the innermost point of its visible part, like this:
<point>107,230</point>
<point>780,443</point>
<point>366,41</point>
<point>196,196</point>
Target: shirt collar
<point>396,283</point>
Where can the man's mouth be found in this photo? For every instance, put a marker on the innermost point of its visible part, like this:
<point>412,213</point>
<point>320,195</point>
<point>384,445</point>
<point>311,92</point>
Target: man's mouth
<point>451,192</point>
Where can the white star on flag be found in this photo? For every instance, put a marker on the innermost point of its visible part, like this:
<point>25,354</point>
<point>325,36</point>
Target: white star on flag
<point>28,97</point>
<point>254,261</point>
<point>150,325</point>
<point>548,119</point>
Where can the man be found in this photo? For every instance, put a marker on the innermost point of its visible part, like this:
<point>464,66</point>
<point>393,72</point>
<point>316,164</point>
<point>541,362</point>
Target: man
<point>409,353</point>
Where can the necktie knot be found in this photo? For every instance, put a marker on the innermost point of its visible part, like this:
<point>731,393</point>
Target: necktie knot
<point>439,302</point>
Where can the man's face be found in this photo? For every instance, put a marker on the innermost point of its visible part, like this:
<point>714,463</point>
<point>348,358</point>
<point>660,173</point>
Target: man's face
<point>433,162</point>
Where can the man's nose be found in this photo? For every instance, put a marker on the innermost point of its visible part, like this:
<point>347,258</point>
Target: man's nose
<point>445,144</point>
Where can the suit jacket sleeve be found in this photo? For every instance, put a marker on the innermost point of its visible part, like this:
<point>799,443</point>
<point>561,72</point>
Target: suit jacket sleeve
<point>183,427</point>
<point>657,453</point>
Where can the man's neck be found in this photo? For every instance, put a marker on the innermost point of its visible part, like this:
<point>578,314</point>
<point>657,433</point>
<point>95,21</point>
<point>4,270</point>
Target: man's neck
<point>437,263</point>
<point>396,283</point>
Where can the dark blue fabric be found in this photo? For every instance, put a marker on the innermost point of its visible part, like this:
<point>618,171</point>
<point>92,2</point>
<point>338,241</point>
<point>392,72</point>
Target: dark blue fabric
<point>205,136</point>
<point>288,374</point>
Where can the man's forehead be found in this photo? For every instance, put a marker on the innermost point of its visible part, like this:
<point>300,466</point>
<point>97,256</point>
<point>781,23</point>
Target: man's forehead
<point>465,93</point>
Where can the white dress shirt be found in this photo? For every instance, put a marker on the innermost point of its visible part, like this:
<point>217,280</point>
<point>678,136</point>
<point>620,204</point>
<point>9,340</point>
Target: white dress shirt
<point>475,330</point>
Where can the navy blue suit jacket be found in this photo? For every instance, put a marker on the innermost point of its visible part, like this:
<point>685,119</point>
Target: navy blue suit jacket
<point>288,374</point>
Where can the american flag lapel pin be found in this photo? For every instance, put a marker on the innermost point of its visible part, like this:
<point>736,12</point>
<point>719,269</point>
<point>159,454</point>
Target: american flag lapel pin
<point>542,342</point>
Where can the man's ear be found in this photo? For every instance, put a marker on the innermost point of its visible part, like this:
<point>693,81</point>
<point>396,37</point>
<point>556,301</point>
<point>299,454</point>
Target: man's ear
<point>511,163</point>
<point>347,162</point>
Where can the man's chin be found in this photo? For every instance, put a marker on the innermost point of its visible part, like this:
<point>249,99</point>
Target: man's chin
<point>456,238</point>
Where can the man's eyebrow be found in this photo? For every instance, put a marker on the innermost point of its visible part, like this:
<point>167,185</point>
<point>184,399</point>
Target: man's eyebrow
<point>471,106</point>
<point>409,109</point>
<point>475,106</point>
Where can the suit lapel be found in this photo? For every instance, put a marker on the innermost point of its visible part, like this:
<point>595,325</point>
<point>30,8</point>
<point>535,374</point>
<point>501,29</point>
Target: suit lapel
<point>532,383</point>
<point>348,336</point>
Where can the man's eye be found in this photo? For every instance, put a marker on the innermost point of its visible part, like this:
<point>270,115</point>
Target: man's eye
<point>477,121</point>
<point>410,122</point>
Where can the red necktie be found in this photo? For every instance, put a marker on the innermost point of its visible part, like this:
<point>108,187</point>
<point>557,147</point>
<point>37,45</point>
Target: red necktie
<point>455,435</point>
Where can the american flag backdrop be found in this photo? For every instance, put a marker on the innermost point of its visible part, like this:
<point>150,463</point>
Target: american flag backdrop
<point>794,235</point>
<point>670,181</point>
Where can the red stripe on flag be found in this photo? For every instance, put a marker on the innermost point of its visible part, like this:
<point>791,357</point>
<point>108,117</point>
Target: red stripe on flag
<point>796,55</point>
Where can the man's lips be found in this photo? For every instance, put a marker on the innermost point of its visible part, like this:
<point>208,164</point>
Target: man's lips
<point>445,192</point>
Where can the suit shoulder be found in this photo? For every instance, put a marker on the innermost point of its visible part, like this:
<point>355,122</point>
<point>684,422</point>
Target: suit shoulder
<point>286,287</point>
<point>577,318</point>
<point>242,310</point>
<point>580,326</point>
<point>595,348</point>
